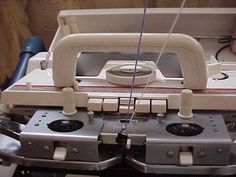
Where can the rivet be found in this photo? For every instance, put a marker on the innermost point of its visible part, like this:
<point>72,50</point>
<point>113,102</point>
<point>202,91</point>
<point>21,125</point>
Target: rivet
<point>160,115</point>
<point>201,154</point>
<point>211,119</point>
<point>219,150</point>
<point>46,148</point>
<point>170,154</point>
<point>90,114</point>
<point>75,150</point>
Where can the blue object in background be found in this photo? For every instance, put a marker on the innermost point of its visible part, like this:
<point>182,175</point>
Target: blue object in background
<point>32,46</point>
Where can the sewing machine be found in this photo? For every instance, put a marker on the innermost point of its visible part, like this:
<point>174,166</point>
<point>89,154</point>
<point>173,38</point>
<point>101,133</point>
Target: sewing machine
<point>77,111</point>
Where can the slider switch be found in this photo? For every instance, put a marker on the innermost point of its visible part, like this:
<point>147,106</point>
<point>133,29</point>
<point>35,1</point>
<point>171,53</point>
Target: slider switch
<point>185,158</point>
<point>60,153</point>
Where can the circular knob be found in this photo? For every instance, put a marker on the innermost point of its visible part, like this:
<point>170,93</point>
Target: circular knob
<point>185,107</point>
<point>184,129</point>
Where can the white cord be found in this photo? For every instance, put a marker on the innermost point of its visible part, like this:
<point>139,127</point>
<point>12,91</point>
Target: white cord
<point>136,61</point>
<point>161,52</point>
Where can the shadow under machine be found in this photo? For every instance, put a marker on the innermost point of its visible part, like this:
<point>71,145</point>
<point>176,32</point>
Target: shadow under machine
<point>74,108</point>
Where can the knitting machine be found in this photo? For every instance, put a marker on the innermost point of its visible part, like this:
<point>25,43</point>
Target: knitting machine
<point>80,115</point>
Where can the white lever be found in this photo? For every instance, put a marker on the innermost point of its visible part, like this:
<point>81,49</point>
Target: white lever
<point>60,153</point>
<point>186,158</point>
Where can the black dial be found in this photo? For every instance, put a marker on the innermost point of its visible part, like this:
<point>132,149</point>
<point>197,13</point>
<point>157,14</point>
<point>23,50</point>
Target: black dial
<point>63,125</point>
<point>184,129</point>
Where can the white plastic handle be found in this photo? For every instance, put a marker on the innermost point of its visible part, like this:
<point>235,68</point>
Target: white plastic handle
<point>189,51</point>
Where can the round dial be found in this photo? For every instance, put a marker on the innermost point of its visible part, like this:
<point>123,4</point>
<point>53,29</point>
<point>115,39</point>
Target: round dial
<point>63,125</point>
<point>184,129</point>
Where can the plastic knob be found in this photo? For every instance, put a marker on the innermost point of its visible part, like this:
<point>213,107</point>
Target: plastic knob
<point>185,108</point>
<point>68,101</point>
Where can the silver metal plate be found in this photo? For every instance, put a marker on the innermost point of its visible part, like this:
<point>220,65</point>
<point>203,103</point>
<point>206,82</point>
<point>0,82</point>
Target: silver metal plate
<point>210,147</point>
<point>38,141</point>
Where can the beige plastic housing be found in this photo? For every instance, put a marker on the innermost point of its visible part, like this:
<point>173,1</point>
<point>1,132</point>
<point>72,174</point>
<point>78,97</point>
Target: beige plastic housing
<point>207,21</point>
<point>189,51</point>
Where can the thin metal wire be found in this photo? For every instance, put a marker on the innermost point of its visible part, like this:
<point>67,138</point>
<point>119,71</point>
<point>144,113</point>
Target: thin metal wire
<point>161,52</point>
<point>136,61</point>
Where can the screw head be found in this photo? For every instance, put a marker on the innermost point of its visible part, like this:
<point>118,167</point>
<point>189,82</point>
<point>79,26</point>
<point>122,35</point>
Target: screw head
<point>75,150</point>
<point>201,154</point>
<point>160,115</point>
<point>90,114</point>
<point>219,150</point>
<point>46,148</point>
<point>170,154</point>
